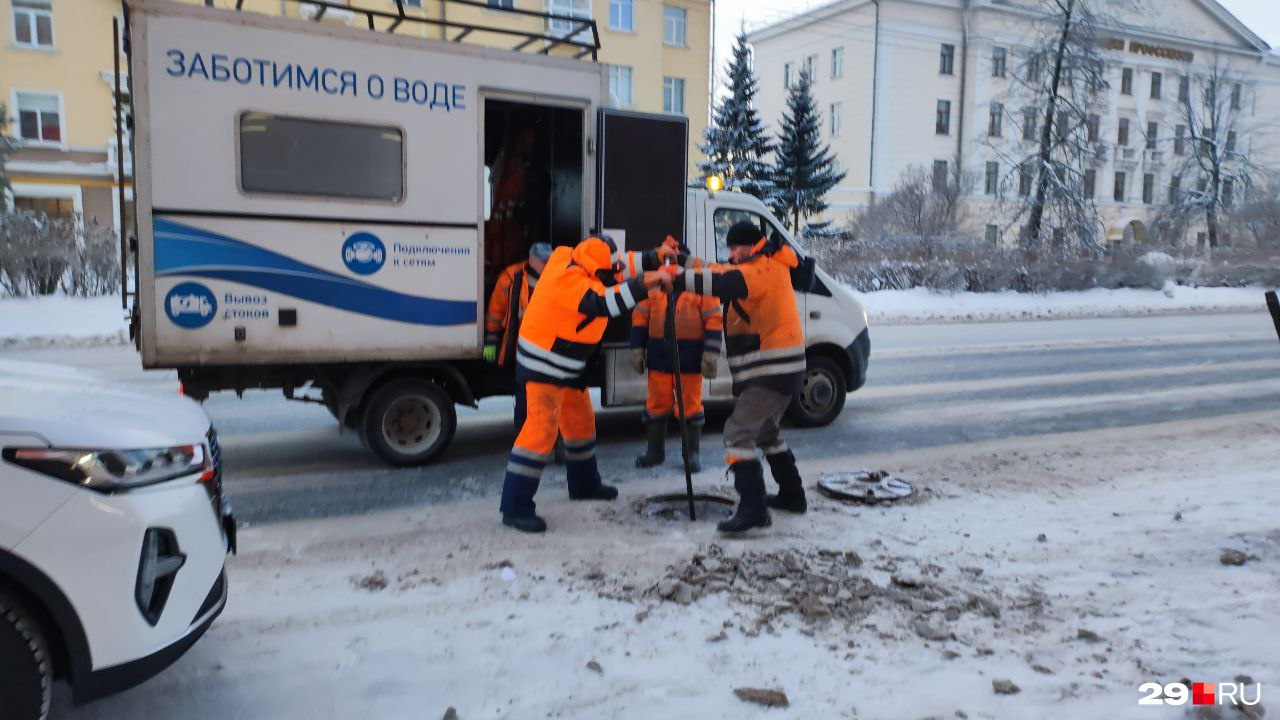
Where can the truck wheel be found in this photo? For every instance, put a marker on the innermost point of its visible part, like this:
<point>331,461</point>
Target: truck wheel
<point>822,397</point>
<point>408,422</point>
<point>26,685</point>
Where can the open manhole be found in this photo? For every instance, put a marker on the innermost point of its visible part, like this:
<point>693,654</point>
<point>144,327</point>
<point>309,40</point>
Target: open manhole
<point>867,486</point>
<point>676,507</point>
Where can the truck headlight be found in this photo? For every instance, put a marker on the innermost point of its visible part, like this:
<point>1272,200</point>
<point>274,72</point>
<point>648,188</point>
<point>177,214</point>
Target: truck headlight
<point>109,471</point>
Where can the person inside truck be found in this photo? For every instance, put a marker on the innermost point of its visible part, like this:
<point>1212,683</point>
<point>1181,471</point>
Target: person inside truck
<point>697,335</point>
<point>507,305</point>
<point>507,229</point>
<point>581,289</point>
<point>765,345</point>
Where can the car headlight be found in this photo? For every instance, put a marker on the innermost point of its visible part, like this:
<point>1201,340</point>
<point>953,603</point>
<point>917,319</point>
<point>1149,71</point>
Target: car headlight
<point>109,471</point>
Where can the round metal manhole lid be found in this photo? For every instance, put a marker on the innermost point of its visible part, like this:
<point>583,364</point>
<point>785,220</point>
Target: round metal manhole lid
<point>675,506</point>
<point>868,486</point>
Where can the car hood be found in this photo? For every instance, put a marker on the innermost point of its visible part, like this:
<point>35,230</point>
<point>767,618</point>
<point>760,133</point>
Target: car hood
<point>74,408</point>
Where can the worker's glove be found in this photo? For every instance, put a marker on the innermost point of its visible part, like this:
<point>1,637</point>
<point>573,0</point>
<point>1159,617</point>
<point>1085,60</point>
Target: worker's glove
<point>637,360</point>
<point>667,251</point>
<point>657,278</point>
<point>710,364</point>
<point>491,353</point>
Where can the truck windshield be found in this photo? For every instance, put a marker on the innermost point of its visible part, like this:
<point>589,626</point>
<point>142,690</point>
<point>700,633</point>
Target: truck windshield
<point>726,218</point>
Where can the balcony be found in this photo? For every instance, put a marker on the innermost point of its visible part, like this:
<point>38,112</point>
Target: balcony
<point>1153,158</point>
<point>1126,156</point>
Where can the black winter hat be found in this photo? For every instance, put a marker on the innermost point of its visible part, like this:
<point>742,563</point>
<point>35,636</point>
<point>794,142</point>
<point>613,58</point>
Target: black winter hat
<point>744,233</point>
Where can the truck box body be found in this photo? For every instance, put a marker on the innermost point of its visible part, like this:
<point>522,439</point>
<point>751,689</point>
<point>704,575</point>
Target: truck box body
<point>257,248</point>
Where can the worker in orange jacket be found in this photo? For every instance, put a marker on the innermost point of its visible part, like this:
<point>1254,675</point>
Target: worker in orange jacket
<point>698,331</point>
<point>580,290</point>
<point>764,342</point>
<point>507,304</point>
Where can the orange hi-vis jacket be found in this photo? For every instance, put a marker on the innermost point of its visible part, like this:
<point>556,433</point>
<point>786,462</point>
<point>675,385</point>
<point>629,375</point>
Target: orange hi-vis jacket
<point>764,340</point>
<point>568,313</point>
<point>699,328</point>
<point>507,304</point>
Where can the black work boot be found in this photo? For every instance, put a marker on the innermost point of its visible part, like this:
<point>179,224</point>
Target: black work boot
<point>748,480</point>
<point>656,431</point>
<point>695,443</point>
<point>790,495</point>
<point>525,523</point>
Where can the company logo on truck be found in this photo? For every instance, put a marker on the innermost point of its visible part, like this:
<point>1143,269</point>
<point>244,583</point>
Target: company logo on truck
<point>364,253</point>
<point>190,305</point>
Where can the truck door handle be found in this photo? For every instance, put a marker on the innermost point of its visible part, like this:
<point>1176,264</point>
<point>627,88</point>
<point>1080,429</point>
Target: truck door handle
<point>815,314</point>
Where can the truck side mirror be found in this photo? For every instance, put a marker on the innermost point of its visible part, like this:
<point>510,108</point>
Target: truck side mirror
<point>803,275</point>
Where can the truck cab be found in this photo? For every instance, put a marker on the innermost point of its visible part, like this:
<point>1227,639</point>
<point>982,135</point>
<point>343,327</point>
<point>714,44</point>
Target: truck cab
<point>835,323</point>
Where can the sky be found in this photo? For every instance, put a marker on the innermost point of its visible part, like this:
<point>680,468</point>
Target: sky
<point>1262,16</point>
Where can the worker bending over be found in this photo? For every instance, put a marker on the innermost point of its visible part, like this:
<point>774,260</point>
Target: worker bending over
<point>765,347</point>
<point>699,326</point>
<point>580,290</point>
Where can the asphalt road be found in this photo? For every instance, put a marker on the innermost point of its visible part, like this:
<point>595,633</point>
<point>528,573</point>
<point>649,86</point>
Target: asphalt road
<point>929,385</point>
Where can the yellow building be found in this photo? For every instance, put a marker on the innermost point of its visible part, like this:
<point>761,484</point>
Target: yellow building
<point>56,73</point>
<point>56,83</point>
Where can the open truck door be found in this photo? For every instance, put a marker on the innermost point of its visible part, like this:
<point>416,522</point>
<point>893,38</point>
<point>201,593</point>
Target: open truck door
<point>642,169</point>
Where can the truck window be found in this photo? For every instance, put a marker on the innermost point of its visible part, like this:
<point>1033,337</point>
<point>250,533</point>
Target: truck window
<point>319,158</point>
<point>726,218</point>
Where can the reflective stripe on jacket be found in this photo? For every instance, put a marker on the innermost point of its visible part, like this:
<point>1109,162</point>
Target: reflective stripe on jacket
<point>504,313</point>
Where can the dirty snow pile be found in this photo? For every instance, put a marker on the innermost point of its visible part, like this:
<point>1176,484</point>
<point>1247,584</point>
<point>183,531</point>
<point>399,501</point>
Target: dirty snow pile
<point>62,320</point>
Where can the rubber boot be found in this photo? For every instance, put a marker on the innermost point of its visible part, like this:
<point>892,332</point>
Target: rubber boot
<point>695,443</point>
<point>656,431</point>
<point>790,495</point>
<point>584,480</point>
<point>517,503</point>
<point>748,480</point>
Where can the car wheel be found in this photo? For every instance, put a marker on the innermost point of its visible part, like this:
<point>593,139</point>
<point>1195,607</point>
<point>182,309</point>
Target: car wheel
<point>26,683</point>
<point>408,422</point>
<point>821,399</point>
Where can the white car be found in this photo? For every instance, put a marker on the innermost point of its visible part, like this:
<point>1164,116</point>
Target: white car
<point>113,534</point>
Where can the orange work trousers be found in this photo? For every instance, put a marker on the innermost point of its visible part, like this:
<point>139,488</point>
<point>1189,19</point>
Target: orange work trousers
<point>662,395</point>
<point>552,410</point>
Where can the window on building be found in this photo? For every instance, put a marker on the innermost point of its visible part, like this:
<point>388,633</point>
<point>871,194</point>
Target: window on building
<point>837,62</point>
<point>63,208</point>
<point>995,120</point>
<point>1090,183</point>
<point>1180,140</point>
<point>673,95</point>
<point>622,15</point>
<point>408,3</point>
<point>835,120</point>
<point>811,67</point>
<point>495,4</point>
<point>1118,193</point>
<point>1148,188</point>
<point>675,22</point>
<point>1030,119</point>
<point>33,23</point>
<point>39,119</point>
<point>1231,141</point>
<point>1156,80</point>
<point>947,60</point>
<point>1210,93</point>
<point>1126,81</point>
<point>1228,192</point>
<point>999,62</point>
<point>1202,184</point>
<point>1153,132</point>
<point>1092,127</point>
<point>1175,188</point>
<point>620,85</point>
<point>939,176</point>
<point>1122,137</point>
<point>1184,88</point>
<point>786,76</point>
<point>993,234</point>
<point>320,158</point>
<point>1062,127</point>
<point>992,179</point>
<point>572,8</point>
<point>1033,68</point>
<point>1236,92</point>
<point>1025,176</point>
<point>942,123</point>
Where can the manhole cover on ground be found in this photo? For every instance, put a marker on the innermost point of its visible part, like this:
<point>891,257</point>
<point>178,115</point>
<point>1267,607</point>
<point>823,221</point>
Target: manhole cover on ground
<point>866,486</point>
<point>676,507</point>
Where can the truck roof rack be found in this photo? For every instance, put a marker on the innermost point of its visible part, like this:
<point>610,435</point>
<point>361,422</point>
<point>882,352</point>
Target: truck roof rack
<point>575,38</point>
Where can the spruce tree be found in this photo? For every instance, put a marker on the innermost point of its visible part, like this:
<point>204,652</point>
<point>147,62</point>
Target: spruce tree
<point>736,140</point>
<point>804,170</point>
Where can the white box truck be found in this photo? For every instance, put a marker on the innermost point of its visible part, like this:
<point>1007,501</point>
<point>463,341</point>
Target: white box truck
<point>324,207</point>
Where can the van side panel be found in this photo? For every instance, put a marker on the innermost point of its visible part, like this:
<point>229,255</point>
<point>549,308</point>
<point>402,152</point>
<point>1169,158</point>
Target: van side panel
<point>236,275</point>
